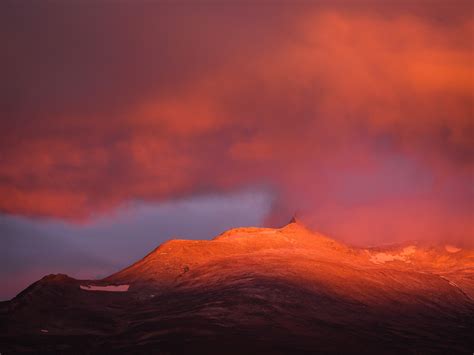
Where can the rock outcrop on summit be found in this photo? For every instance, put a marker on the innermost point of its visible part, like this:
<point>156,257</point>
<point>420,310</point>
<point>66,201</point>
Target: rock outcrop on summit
<point>255,290</point>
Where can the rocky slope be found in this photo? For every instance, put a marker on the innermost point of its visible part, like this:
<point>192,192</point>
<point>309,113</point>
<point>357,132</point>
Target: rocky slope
<point>255,290</point>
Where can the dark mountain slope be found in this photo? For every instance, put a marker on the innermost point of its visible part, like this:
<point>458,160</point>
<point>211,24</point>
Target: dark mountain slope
<point>255,290</point>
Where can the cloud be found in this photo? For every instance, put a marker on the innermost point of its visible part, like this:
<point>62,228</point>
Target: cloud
<point>360,116</point>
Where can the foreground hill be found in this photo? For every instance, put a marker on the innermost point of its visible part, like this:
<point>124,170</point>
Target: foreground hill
<point>255,290</point>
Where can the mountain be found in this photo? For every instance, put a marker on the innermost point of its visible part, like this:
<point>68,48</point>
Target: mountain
<point>255,291</point>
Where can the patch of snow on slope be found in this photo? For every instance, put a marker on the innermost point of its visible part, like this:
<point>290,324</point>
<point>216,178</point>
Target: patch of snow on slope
<point>112,288</point>
<point>451,249</point>
<point>381,258</point>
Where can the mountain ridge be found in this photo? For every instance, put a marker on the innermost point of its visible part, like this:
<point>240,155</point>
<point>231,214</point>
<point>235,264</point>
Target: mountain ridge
<point>256,290</point>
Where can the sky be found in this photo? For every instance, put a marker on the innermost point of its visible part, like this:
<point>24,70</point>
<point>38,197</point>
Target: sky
<point>123,124</point>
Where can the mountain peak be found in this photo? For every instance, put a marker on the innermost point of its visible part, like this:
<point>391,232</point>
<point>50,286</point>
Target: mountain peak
<point>293,220</point>
<point>250,270</point>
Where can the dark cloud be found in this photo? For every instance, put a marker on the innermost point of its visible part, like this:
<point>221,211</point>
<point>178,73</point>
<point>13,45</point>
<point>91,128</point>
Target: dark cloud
<point>358,114</point>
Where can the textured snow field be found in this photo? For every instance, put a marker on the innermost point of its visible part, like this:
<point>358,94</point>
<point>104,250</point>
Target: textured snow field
<point>112,288</point>
<point>381,258</point>
<point>451,249</point>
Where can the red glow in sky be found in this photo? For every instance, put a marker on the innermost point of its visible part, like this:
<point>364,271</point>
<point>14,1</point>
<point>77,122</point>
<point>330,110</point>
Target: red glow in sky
<point>357,115</point>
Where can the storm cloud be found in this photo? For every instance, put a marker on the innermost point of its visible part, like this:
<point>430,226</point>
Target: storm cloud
<point>356,115</point>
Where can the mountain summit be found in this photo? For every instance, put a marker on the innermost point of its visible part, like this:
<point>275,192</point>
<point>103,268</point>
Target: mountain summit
<point>294,220</point>
<point>255,290</point>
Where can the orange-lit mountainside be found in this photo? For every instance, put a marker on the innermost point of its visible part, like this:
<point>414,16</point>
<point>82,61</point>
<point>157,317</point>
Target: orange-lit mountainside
<point>256,290</point>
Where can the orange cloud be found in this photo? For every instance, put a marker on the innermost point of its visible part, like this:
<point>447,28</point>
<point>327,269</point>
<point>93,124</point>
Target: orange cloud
<point>382,99</point>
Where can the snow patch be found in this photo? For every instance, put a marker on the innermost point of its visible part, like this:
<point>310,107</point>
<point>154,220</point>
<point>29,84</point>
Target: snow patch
<point>451,249</point>
<point>111,288</point>
<point>408,250</point>
<point>381,258</point>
